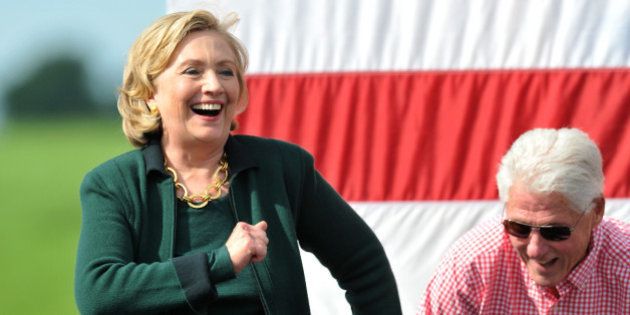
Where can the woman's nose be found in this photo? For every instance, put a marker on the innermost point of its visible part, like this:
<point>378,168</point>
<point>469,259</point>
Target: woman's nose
<point>211,84</point>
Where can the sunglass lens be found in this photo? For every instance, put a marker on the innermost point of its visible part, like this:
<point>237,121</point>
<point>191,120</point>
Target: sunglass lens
<point>559,233</point>
<point>517,229</point>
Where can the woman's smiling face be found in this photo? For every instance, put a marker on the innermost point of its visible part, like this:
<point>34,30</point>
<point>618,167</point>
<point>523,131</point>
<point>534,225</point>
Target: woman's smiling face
<point>197,94</point>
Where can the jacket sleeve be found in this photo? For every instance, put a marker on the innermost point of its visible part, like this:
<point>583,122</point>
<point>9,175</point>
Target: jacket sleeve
<point>329,228</point>
<point>109,281</point>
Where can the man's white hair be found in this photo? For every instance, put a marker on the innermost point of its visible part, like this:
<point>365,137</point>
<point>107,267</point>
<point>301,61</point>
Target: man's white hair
<point>564,160</point>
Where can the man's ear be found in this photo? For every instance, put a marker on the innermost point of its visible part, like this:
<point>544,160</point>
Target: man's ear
<point>598,210</point>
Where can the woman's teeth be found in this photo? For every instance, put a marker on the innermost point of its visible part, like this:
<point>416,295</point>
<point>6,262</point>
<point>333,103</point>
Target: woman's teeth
<point>207,109</point>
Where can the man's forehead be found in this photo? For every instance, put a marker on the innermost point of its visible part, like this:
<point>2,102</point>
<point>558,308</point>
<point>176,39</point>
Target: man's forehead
<point>523,203</point>
<point>524,195</point>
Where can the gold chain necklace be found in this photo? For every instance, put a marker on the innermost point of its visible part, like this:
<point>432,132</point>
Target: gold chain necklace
<point>213,191</point>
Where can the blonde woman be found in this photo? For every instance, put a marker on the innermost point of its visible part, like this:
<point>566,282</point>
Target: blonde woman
<point>197,220</point>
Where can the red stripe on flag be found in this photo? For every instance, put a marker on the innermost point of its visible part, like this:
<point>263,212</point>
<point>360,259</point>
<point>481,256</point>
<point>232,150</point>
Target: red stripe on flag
<point>436,135</point>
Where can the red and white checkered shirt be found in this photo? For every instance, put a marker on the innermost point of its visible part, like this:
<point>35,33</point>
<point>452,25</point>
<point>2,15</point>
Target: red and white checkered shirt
<point>482,274</point>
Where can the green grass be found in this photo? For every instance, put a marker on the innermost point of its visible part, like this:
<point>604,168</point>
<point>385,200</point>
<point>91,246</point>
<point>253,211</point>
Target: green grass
<point>43,163</point>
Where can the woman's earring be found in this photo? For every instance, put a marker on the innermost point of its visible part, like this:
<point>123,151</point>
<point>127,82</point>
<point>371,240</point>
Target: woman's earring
<point>153,109</point>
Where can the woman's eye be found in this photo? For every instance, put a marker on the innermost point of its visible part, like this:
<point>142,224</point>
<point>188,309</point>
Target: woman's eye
<point>226,72</point>
<point>191,71</point>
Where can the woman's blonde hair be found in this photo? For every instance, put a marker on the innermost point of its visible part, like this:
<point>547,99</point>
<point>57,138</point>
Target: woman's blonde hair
<point>151,54</point>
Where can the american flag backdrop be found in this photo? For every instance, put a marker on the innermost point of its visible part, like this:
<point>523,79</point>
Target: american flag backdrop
<point>408,106</point>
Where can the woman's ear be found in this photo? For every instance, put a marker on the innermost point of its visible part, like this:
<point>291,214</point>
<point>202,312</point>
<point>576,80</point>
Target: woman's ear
<point>241,106</point>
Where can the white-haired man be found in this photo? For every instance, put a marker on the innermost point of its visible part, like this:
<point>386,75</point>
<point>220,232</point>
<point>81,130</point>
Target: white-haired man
<point>553,252</point>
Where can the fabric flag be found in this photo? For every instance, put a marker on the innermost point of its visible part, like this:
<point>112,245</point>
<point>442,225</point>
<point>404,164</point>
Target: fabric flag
<point>408,106</point>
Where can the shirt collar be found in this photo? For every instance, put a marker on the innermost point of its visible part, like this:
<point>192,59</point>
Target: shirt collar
<point>580,275</point>
<point>240,156</point>
<point>153,157</point>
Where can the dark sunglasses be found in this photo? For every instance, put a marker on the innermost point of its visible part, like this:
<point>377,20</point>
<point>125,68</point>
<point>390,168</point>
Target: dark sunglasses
<point>550,233</point>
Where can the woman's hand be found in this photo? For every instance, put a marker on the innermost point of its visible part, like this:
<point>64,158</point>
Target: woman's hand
<point>247,243</point>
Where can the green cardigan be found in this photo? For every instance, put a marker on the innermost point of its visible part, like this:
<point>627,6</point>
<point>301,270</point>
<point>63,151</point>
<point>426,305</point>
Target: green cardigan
<point>125,260</point>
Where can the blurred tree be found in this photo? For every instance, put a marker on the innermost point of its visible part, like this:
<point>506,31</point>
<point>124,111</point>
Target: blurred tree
<point>58,87</point>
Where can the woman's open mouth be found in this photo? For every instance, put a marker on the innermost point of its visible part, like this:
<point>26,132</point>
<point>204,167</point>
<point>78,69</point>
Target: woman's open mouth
<point>207,109</point>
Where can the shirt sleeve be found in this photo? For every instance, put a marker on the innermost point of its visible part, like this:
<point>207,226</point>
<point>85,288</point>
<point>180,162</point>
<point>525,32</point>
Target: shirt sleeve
<point>329,228</point>
<point>109,281</point>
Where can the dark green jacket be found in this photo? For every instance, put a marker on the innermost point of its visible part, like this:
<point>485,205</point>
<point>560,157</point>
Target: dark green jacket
<point>125,260</point>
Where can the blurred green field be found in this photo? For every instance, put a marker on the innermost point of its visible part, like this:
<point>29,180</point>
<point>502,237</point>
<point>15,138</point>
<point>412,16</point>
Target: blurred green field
<point>43,165</point>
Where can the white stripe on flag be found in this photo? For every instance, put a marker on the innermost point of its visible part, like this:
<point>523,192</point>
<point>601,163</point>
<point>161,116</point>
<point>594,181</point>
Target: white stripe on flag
<point>285,36</point>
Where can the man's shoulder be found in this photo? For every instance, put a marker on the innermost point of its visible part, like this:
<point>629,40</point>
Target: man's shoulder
<point>612,254</point>
<point>615,239</point>
<point>472,264</point>
<point>483,242</point>
<point>617,225</point>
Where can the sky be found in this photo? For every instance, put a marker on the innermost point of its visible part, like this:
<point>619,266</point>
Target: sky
<point>98,32</point>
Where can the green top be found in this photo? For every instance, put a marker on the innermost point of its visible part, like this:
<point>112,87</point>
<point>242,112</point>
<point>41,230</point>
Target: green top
<point>127,261</point>
<point>201,230</point>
